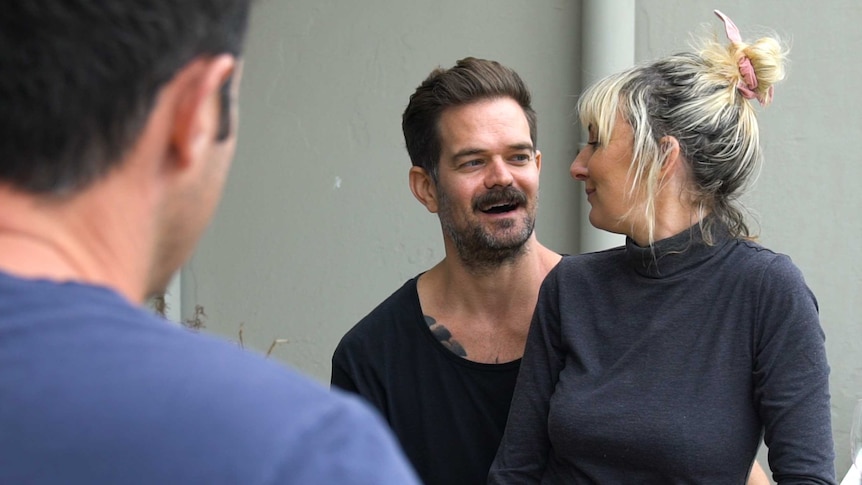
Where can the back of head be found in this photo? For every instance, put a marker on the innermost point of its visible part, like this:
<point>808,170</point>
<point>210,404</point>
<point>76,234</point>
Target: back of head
<point>704,99</point>
<point>469,81</point>
<point>81,76</point>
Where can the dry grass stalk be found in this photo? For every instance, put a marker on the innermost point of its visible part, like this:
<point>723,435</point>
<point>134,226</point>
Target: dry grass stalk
<point>195,322</point>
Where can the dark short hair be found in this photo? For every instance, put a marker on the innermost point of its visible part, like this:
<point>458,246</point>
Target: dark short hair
<point>79,78</point>
<point>470,81</point>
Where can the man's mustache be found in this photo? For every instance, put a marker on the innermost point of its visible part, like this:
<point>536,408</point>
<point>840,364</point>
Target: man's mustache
<point>495,197</point>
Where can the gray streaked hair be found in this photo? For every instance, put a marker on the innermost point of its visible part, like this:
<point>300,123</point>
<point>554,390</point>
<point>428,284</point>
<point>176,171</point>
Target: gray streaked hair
<point>692,97</point>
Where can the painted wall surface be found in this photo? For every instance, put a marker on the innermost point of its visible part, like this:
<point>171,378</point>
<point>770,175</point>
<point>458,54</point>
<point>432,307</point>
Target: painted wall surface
<point>807,198</point>
<point>318,226</point>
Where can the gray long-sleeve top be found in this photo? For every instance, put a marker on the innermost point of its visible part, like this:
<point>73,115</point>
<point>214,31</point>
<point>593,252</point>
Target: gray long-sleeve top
<point>668,366</point>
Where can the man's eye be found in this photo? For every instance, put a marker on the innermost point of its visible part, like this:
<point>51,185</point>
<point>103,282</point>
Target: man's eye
<point>521,157</point>
<point>472,163</point>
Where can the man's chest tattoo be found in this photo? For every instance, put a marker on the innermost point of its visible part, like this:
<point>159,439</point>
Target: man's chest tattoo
<point>445,337</point>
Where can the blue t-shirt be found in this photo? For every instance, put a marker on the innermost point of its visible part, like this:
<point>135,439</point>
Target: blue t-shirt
<point>96,390</point>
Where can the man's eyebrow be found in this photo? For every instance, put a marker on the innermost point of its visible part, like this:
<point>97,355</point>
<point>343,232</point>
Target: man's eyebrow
<point>469,152</point>
<point>522,146</point>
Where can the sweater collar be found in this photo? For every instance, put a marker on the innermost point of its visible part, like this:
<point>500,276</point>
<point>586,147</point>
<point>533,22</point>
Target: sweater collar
<point>678,253</point>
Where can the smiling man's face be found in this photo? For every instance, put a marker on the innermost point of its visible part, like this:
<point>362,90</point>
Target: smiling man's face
<point>488,182</point>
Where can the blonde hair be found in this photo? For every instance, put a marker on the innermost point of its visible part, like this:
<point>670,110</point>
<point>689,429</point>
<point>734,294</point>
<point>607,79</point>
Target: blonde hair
<point>692,97</point>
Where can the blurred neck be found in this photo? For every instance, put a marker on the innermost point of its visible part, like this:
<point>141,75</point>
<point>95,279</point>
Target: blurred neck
<point>99,236</point>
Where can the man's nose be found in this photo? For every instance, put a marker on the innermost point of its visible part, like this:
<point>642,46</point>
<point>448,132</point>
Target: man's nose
<point>498,174</point>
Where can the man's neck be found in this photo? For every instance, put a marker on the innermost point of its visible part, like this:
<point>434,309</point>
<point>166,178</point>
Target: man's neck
<point>497,288</point>
<point>488,313</point>
<point>76,239</point>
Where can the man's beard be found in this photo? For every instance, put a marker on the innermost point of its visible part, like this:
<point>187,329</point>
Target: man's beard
<point>483,250</point>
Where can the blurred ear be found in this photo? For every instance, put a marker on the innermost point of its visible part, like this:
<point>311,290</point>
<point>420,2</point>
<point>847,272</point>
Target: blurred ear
<point>423,188</point>
<point>203,88</point>
<point>539,161</point>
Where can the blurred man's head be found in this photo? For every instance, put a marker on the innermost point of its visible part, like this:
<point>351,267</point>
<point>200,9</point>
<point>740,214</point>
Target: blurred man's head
<point>81,76</point>
<point>90,88</point>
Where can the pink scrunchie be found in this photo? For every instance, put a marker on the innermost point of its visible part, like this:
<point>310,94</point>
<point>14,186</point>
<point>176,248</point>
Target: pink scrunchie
<point>749,79</point>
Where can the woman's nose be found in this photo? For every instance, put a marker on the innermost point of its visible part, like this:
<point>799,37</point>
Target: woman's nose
<point>579,165</point>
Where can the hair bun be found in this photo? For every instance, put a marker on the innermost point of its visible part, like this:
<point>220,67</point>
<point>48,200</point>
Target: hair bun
<point>759,65</point>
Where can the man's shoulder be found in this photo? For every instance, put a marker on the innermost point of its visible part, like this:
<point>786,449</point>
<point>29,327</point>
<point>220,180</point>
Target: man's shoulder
<point>143,391</point>
<point>373,352</point>
<point>347,442</point>
<point>386,319</point>
<point>237,401</point>
<point>132,357</point>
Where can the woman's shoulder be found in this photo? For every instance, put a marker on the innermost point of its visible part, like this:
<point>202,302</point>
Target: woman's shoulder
<point>766,265</point>
<point>759,255</point>
<point>604,256</point>
<point>572,265</point>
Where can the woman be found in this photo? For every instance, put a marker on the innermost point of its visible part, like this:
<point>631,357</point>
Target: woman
<point>666,360</point>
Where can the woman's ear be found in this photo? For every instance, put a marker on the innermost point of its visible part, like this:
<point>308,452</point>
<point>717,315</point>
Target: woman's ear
<point>672,155</point>
<point>423,188</point>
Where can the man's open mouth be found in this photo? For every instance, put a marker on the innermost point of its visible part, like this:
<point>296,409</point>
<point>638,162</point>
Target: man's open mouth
<point>500,202</point>
<point>500,208</point>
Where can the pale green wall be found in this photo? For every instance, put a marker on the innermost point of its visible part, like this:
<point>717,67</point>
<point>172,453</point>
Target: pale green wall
<point>318,226</point>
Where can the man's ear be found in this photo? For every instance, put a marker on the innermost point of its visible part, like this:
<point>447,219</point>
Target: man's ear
<point>203,88</point>
<point>538,161</point>
<point>423,188</point>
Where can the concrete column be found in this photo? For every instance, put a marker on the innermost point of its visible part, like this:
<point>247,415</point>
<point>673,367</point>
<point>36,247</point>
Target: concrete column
<point>608,47</point>
<point>173,298</point>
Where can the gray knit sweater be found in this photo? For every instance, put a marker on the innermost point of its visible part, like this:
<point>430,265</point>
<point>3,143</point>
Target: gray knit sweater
<point>667,366</point>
